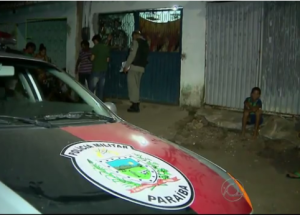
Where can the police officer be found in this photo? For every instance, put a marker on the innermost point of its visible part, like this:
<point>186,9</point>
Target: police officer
<point>135,67</point>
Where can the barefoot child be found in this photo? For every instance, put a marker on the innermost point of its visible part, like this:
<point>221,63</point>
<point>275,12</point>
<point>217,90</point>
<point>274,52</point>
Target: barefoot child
<point>252,111</point>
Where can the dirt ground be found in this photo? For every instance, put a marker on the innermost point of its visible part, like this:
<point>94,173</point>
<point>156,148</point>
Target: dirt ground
<point>260,164</point>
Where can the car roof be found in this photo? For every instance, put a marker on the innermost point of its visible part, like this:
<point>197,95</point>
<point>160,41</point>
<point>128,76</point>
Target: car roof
<point>5,54</point>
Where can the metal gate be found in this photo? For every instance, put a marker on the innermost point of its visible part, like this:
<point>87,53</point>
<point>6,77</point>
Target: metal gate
<point>53,34</point>
<point>280,62</point>
<point>233,41</point>
<point>162,29</point>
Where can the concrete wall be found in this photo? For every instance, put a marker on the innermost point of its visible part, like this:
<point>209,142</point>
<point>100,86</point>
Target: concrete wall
<point>45,10</point>
<point>193,40</point>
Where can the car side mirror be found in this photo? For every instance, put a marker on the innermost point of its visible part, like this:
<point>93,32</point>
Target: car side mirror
<point>111,106</point>
<point>7,70</point>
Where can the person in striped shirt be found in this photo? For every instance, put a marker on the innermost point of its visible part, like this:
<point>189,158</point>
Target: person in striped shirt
<point>252,111</point>
<point>84,64</point>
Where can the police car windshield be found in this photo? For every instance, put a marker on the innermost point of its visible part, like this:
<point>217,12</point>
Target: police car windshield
<point>37,89</point>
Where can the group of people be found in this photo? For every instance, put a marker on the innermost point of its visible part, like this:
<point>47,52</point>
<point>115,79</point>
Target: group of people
<point>42,53</point>
<point>92,66</point>
<point>52,88</point>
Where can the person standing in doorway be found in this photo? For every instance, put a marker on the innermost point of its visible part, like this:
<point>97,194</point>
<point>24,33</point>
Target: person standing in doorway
<point>100,58</point>
<point>84,64</point>
<point>135,67</point>
<point>29,49</point>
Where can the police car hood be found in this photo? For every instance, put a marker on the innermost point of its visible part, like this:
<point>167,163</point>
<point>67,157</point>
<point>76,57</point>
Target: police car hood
<point>112,168</point>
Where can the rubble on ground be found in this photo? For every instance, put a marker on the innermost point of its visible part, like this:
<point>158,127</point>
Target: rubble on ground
<point>197,134</point>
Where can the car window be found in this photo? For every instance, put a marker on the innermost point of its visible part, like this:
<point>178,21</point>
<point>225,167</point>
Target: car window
<point>13,87</point>
<point>38,88</point>
<point>52,88</point>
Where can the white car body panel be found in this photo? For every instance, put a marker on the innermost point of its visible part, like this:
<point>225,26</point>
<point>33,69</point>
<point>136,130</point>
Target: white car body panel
<point>12,203</point>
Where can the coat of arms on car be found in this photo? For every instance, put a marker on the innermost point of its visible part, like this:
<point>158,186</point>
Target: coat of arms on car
<point>131,174</point>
